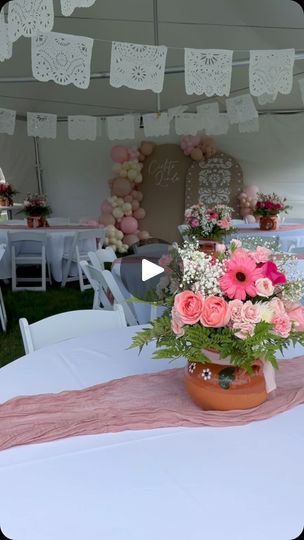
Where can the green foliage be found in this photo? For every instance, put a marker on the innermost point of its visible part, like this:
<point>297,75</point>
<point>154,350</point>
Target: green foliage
<point>197,339</point>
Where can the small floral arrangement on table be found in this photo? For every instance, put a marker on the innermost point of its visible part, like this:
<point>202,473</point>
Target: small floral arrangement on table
<point>208,223</point>
<point>36,205</point>
<point>7,192</point>
<point>240,306</point>
<point>270,205</point>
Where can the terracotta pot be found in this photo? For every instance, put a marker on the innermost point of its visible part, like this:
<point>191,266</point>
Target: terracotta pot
<point>269,223</point>
<point>4,201</point>
<point>36,222</point>
<point>224,387</point>
<point>207,246</point>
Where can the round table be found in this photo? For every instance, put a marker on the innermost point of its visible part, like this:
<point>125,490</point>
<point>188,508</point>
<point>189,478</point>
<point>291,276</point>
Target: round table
<point>286,235</point>
<point>197,483</point>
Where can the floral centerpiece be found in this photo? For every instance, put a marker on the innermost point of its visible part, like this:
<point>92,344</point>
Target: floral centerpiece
<point>268,208</point>
<point>7,193</point>
<point>36,208</point>
<point>228,316</point>
<point>208,225</point>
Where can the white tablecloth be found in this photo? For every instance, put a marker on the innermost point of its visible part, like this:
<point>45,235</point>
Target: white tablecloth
<point>286,238</point>
<point>59,242</point>
<point>236,483</point>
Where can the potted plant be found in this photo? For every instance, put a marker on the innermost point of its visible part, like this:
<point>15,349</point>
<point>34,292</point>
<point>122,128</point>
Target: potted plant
<point>6,194</point>
<point>267,210</point>
<point>36,209</point>
<point>227,316</point>
<point>208,225</point>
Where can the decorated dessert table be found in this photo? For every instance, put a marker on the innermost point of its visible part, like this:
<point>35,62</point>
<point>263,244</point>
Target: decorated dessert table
<point>59,241</point>
<point>181,482</point>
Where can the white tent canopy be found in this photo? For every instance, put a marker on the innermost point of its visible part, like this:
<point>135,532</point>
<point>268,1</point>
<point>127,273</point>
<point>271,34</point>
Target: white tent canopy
<point>75,172</point>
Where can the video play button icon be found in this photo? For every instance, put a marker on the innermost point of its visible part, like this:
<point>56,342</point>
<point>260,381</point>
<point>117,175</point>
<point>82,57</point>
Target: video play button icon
<point>149,270</point>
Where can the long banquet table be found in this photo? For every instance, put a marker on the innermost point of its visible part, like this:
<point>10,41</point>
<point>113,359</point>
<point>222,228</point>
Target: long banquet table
<point>59,241</point>
<point>197,483</point>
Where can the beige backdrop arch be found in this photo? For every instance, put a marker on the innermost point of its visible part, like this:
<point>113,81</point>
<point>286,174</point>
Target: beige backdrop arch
<point>219,180</point>
<point>163,188</point>
<point>173,182</point>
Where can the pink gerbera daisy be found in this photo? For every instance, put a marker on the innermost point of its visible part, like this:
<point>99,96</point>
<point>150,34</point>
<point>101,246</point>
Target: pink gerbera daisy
<point>240,277</point>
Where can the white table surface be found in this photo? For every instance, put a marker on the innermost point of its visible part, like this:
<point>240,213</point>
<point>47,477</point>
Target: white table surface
<point>59,241</point>
<point>286,238</point>
<point>236,483</point>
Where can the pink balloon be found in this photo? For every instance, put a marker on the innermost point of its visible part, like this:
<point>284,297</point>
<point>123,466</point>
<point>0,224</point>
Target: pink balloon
<point>137,195</point>
<point>128,225</point>
<point>250,219</point>
<point>130,239</point>
<point>143,235</point>
<point>107,219</point>
<point>106,207</point>
<point>251,191</point>
<point>135,205</point>
<point>121,186</point>
<point>128,198</point>
<point>119,154</point>
<point>140,213</point>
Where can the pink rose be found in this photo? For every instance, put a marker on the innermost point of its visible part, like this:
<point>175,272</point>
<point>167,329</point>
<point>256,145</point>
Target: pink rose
<point>177,324</point>
<point>224,224</point>
<point>251,313</point>
<point>264,287</point>
<point>164,262</point>
<point>244,330</point>
<point>220,248</point>
<point>270,270</point>
<point>297,315</point>
<point>282,325</point>
<point>194,222</point>
<point>215,312</point>
<point>188,306</point>
<point>236,310</point>
<point>276,305</point>
<point>262,254</point>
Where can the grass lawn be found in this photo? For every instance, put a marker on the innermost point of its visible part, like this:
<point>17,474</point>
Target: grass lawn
<point>35,306</point>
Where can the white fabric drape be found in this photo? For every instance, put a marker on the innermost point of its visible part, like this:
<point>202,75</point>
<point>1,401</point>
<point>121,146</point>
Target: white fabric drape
<point>156,124</point>
<point>82,127</point>
<point>7,121</point>
<point>187,124</point>
<point>68,6</point>
<point>6,48</point>
<point>271,72</point>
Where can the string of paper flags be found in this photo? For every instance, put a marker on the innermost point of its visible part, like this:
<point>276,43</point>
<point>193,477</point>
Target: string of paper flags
<point>241,111</point>
<point>66,59</point>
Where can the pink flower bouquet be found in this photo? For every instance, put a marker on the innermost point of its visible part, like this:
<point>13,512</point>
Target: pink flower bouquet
<point>270,205</point>
<point>241,305</point>
<point>36,205</point>
<point>7,192</point>
<point>208,223</point>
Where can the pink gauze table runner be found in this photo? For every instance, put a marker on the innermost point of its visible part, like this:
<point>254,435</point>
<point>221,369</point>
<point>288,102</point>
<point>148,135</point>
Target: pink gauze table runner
<point>283,228</point>
<point>137,402</point>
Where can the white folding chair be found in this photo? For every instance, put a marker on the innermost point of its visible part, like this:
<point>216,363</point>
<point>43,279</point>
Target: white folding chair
<point>101,256</point>
<point>69,325</point>
<point>31,251</point>
<point>58,221</point>
<point>3,316</point>
<point>110,289</point>
<point>79,252</point>
<point>94,276</point>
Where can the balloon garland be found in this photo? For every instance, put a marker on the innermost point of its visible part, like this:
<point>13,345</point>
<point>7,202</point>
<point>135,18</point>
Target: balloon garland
<point>248,199</point>
<point>198,148</point>
<point>121,212</point>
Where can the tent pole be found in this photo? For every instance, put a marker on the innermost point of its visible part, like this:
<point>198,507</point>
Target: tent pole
<point>38,166</point>
<point>156,42</point>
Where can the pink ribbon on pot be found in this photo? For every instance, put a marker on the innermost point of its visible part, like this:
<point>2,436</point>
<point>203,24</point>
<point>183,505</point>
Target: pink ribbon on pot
<point>268,369</point>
